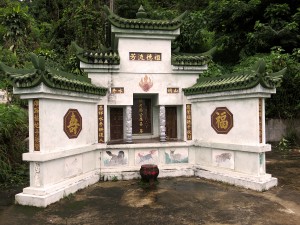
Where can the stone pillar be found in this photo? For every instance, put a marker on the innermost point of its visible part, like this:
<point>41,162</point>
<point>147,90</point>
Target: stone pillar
<point>162,123</point>
<point>128,124</point>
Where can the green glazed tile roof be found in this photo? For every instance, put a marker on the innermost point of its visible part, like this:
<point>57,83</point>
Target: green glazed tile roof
<point>103,56</point>
<point>28,78</point>
<point>142,23</point>
<point>181,59</point>
<point>188,59</point>
<point>233,82</point>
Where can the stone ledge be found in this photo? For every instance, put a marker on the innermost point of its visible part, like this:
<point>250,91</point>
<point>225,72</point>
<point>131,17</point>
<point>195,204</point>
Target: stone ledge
<point>47,156</point>
<point>257,183</point>
<point>55,192</point>
<point>135,173</point>
<point>234,147</point>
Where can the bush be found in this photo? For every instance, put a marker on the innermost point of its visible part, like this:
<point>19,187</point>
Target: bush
<point>13,133</point>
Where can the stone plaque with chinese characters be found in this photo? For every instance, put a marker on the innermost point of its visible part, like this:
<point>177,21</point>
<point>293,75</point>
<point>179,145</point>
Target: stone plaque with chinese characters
<point>260,109</point>
<point>144,56</point>
<point>100,123</point>
<point>189,135</point>
<point>72,123</point>
<point>172,90</point>
<point>141,116</point>
<point>222,120</point>
<point>117,90</point>
<point>36,125</point>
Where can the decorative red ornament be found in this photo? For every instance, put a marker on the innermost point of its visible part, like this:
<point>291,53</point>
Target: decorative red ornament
<point>146,83</point>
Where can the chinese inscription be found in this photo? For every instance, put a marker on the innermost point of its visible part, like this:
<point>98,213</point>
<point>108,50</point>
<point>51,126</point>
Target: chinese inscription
<point>189,121</point>
<point>36,124</point>
<point>144,56</point>
<point>222,120</point>
<point>141,116</point>
<point>146,83</point>
<point>141,120</point>
<point>72,123</point>
<point>172,90</point>
<point>260,120</point>
<point>100,124</point>
<point>117,90</point>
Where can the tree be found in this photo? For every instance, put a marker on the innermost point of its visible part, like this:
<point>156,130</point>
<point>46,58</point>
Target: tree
<point>279,28</point>
<point>16,21</point>
<point>245,27</point>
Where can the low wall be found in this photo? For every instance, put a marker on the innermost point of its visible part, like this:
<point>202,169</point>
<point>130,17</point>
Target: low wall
<point>54,175</point>
<point>276,129</point>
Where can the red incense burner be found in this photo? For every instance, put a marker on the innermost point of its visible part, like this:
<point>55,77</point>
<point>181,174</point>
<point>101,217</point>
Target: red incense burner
<point>149,172</point>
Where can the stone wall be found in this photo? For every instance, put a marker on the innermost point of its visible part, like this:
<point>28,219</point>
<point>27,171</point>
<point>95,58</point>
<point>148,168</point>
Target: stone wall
<point>276,129</point>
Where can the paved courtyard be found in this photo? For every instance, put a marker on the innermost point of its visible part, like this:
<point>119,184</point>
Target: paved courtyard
<point>173,201</point>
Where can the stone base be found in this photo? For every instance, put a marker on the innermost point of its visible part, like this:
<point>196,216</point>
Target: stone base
<point>42,197</point>
<point>257,183</point>
<point>134,173</point>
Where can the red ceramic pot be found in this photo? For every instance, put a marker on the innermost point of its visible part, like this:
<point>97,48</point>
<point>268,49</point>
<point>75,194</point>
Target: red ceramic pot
<point>149,172</point>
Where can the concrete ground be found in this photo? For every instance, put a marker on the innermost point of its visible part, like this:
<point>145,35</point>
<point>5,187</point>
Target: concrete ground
<point>173,201</point>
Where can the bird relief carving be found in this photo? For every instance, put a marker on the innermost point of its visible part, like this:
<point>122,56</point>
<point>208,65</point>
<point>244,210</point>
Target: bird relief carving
<point>146,83</point>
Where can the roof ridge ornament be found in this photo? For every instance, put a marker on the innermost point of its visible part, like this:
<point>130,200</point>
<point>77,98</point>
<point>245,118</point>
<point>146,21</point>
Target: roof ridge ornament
<point>141,14</point>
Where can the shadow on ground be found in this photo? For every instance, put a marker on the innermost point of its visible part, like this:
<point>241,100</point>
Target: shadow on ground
<point>173,201</point>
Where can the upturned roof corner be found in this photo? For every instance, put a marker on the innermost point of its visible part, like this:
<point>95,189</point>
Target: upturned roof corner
<point>104,56</point>
<point>240,81</point>
<point>53,78</point>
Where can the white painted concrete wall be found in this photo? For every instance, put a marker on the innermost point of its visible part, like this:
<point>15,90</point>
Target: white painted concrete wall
<point>53,138</point>
<point>245,122</point>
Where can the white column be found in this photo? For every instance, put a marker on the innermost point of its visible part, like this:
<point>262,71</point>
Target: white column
<point>128,124</point>
<point>162,123</point>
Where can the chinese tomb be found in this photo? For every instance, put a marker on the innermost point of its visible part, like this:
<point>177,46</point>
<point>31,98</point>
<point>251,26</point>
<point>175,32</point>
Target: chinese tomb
<point>141,104</point>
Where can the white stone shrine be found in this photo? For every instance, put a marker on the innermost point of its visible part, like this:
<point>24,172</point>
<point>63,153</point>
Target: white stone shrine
<point>141,104</point>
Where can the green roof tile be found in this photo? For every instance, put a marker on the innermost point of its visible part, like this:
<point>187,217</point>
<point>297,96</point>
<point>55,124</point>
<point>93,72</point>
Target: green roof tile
<point>182,59</point>
<point>102,56</point>
<point>142,23</point>
<point>28,78</point>
<point>189,59</point>
<point>233,82</point>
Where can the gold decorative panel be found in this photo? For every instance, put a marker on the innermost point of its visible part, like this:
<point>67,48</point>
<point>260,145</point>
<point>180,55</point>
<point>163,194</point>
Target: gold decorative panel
<point>72,123</point>
<point>189,135</point>
<point>36,124</point>
<point>222,120</point>
<point>100,123</point>
<point>260,120</point>
<point>172,90</point>
<point>144,56</point>
<point>117,90</point>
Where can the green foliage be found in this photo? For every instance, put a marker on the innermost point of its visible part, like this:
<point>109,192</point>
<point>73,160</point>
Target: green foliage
<point>195,37</point>
<point>128,8</point>
<point>214,70</point>
<point>285,104</point>
<point>231,21</point>
<point>17,23</point>
<point>81,23</point>
<point>114,178</point>
<point>13,132</point>
<point>288,142</point>
<point>244,28</point>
